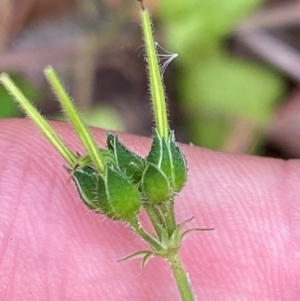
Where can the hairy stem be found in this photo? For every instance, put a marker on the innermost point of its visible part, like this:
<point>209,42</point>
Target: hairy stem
<point>139,230</point>
<point>181,278</point>
<point>168,213</point>
<point>154,217</point>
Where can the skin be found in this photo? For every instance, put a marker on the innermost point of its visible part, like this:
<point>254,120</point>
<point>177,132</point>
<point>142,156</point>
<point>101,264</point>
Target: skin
<point>53,248</point>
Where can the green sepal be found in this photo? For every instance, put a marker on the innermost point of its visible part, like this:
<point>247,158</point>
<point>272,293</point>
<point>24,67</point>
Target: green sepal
<point>160,154</point>
<point>179,166</point>
<point>91,188</point>
<point>106,154</point>
<point>123,196</point>
<point>85,179</point>
<point>155,154</point>
<point>166,155</point>
<point>127,161</point>
<point>105,204</point>
<point>155,185</point>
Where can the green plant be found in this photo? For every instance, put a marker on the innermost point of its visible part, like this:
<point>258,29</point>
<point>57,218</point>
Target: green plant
<point>116,182</point>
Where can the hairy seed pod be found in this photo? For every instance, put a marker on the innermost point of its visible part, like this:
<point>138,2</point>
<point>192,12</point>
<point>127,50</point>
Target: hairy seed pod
<point>169,159</point>
<point>155,185</point>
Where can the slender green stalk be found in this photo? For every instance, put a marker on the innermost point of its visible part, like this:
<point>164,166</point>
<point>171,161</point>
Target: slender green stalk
<point>139,230</point>
<point>160,216</point>
<point>39,120</point>
<point>181,278</point>
<point>154,218</point>
<point>167,210</point>
<point>155,78</point>
<point>171,209</point>
<point>82,131</point>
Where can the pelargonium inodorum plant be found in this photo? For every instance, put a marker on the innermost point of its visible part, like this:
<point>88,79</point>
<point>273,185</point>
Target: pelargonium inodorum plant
<point>114,181</point>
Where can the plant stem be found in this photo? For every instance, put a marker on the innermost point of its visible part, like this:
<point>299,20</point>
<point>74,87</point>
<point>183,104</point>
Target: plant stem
<point>181,278</point>
<point>160,215</point>
<point>154,218</point>
<point>168,213</point>
<point>170,206</point>
<point>139,230</point>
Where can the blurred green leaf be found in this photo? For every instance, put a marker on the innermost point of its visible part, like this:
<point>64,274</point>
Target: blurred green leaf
<point>104,117</point>
<point>233,85</point>
<point>194,26</point>
<point>216,89</point>
<point>225,88</point>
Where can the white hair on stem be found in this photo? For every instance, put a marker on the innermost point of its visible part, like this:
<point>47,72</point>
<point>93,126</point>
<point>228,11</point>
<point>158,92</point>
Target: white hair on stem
<point>165,58</point>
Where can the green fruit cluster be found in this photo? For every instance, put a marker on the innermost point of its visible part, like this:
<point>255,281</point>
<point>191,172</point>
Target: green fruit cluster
<point>129,181</point>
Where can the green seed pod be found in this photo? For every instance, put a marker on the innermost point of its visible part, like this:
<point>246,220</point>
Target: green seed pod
<point>155,185</point>
<point>128,162</point>
<point>91,187</point>
<point>123,196</point>
<point>179,167</point>
<point>112,194</point>
<point>104,203</point>
<point>169,159</point>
